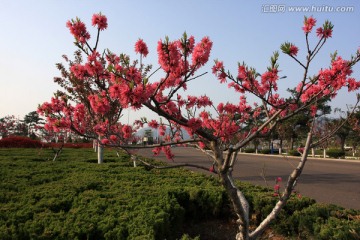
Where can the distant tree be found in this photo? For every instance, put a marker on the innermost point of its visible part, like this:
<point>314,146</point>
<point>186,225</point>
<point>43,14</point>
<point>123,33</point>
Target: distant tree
<point>33,122</point>
<point>354,136</point>
<point>149,136</point>
<point>7,125</point>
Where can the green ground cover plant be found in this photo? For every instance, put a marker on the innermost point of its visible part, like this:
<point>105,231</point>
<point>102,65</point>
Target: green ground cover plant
<point>76,198</point>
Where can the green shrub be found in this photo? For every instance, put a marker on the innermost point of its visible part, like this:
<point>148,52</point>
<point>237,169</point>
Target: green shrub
<point>321,221</point>
<point>335,153</point>
<point>293,152</point>
<point>249,150</point>
<point>265,151</point>
<point>76,199</point>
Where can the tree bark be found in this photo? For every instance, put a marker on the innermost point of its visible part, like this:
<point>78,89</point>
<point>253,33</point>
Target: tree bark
<point>100,151</point>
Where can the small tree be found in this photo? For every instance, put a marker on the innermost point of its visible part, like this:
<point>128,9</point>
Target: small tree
<point>106,84</point>
<point>88,103</point>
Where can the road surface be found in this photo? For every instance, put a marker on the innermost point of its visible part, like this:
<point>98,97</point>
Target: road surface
<point>327,181</point>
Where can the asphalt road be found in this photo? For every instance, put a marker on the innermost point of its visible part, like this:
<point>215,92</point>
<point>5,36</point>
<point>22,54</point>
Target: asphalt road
<point>327,181</point>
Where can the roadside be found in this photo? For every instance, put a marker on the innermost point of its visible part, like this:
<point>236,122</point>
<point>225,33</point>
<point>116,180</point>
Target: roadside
<point>353,160</point>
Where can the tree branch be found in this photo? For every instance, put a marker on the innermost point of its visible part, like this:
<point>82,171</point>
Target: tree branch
<point>150,166</point>
<point>288,190</point>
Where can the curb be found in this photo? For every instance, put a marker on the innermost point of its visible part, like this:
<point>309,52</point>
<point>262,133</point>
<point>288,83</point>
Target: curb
<point>309,158</point>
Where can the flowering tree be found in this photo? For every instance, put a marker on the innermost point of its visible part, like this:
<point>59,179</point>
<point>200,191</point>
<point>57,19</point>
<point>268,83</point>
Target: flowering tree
<point>97,91</point>
<point>88,104</point>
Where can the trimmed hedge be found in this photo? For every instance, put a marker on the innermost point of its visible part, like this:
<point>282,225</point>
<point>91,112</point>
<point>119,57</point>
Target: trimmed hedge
<point>268,151</point>
<point>26,142</point>
<point>249,150</point>
<point>335,153</point>
<point>19,142</point>
<point>320,221</point>
<point>293,152</point>
<point>74,198</point>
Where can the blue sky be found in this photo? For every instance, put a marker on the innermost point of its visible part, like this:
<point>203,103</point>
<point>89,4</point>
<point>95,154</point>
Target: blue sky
<point>34,36</point>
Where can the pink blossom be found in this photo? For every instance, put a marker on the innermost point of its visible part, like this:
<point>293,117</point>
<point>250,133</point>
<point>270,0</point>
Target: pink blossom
<point>78,30</point>
<point>309,23</point>
<point>100,21</point>
<point>168,56</point>
<point>313,110</point>
<point>153,124</point>
<point>201,52</point>
<point>353,84</point>
<point>127,131</point>
<point>187,46</point>
<point>113,138</point>
<point>105,141</point>
<point>167,150</point>
<point>293,50</point>
<point>218,71</point>
<point>323,33</point>
<point>162,130</point>
<point>140,47</point>
<point>99,104</point>
<point>79,71</point>
<point>201,145</point>
<point>156,151</point>
<point>194,123</point>
<point>101,128</point>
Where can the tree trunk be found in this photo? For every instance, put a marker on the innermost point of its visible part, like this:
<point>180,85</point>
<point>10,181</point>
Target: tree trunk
<point>280,147</point>
<point>95,145</point>
<point>324,152</point>
<point>292,143</point>
<point>100,151</point>
<point>342,143</point>
<point>312,152</point>
<point>240,205</point>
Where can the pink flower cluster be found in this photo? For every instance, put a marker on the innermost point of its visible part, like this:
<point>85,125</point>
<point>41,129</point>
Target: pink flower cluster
<point>99,103</point>
<point>167,151</point>
<point>293,51</point>
<point>201,52</point>
<point>309,23</point>
<point>100,21</point>
<point>278,180</point>
<point>78,30</point>
<point>330,81</point>
<point>325,31</point>
<point>172,57</point>
<point>246,82</point>
<point>219,71</point>
<point>140,47</point>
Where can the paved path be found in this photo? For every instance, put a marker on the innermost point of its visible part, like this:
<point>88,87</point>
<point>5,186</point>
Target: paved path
<point>327,181</point>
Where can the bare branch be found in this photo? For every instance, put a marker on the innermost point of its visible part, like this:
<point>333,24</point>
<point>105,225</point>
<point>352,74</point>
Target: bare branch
<point>174,166</point>
<point>288,189</point>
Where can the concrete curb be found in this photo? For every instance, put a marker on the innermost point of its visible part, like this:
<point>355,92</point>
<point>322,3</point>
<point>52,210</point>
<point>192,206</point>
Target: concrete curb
<point>309,158</point>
